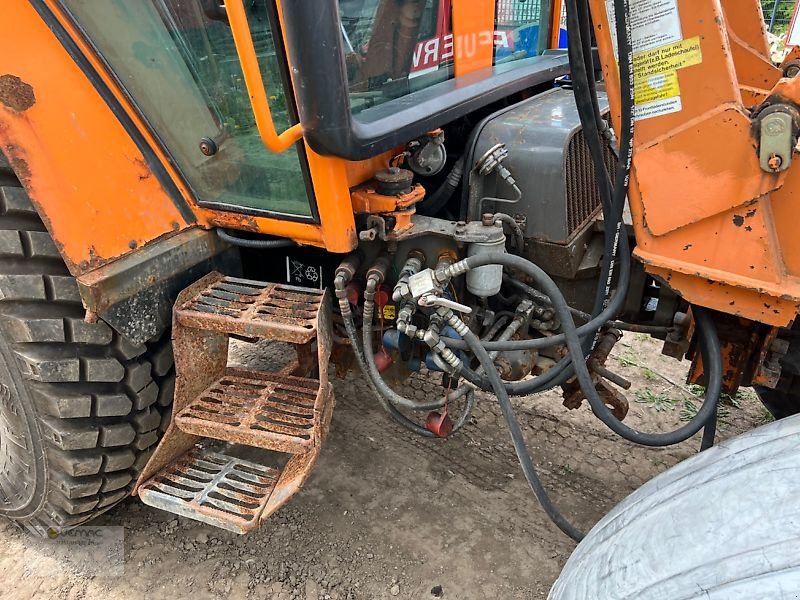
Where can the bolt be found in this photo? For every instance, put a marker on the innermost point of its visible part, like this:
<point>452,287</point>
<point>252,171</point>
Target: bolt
<point>208,146</point>
<point>487,219</point>
<point>775,162</point>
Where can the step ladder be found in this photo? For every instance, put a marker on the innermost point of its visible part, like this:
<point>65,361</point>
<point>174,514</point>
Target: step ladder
<point>241,443</point>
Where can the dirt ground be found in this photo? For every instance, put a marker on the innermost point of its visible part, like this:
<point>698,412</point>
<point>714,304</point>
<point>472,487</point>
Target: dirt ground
<point>390,515</point>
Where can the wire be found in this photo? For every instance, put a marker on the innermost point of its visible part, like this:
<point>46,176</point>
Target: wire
<point>257,244</point>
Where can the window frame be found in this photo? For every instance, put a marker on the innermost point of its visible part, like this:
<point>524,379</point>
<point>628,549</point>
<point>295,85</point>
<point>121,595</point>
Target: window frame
<point>280,48</point>
<point>323,101</point>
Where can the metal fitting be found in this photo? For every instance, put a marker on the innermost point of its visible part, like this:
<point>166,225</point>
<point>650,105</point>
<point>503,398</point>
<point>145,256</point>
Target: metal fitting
<point>413,265</point>
<point>379,268</point>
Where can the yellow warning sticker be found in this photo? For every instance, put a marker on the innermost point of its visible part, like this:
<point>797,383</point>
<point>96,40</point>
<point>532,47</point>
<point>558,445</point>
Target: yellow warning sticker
<point>670,57</point>
<point>657,87</point>
<point>389,312</point>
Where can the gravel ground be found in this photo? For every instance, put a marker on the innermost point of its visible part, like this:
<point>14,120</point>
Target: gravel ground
<point>390,515</point>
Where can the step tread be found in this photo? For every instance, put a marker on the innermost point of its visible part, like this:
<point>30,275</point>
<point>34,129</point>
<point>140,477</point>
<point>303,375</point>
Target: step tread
<point>254,309</point>
<point>266,410</point>
<point>212,487</point>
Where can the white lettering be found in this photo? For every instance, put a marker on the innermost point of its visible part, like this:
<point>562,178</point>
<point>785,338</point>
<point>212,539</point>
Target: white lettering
<point>448,47</point>
<point>431,51</point>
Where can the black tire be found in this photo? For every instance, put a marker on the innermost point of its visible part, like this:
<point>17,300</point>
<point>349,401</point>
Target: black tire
<point>784,400</point>
<point>723,524</point>
<point>81,408</point>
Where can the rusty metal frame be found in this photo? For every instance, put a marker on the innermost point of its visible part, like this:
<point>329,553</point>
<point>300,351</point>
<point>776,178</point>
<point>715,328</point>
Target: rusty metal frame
<point>200,345</point>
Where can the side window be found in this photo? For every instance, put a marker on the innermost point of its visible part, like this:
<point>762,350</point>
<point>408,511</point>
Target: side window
<point>177,60</point>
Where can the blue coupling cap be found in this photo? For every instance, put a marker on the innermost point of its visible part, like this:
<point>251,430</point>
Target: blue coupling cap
<point>395,340</point>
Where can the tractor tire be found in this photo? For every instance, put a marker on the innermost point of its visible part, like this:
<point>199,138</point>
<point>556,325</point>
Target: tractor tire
<point>81,408</point>
<point>784,400</point>
<point>723,524</point>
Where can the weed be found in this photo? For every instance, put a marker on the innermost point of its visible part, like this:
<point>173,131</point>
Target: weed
<point>690,409</point>
<point>649,374</point>
<point>627,359</point>
<point>659,401</point>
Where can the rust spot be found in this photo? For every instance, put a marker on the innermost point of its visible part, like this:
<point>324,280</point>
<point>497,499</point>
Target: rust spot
<point>748,228</point>
<point>751,213</point>
<point>16,94</point>
<point>738,220</point>
<point>687,246</point>
<point>18,164</point>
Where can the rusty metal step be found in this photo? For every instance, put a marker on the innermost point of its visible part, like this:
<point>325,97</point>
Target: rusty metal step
<point>266,410</point>
<point>214,488</point>
<point>253,309</point>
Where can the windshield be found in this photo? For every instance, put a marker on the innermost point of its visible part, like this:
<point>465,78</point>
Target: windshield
<point>396,47</point>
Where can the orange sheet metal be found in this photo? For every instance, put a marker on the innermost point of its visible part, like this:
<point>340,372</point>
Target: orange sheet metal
<point>90,182</point>
<point>556,12</point>
<point>707,219</point>
<point>747,34</point>
<point>473,35</point>
<point>332,177</point>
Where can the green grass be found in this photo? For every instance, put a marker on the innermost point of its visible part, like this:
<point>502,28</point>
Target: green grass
<point>658,401</point>
<point>690,408</point>
<point>649,374</point>
<point>627,359</point>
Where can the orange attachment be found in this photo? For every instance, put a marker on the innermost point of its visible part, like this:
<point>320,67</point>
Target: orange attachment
<point>707,219</point>
<point>367,201</point>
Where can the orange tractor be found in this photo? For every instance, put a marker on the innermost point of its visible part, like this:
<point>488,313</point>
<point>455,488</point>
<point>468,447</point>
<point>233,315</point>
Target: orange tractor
<point>413,185</point>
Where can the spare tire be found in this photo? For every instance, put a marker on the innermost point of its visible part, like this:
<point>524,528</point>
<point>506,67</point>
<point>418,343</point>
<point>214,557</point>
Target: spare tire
<point>723,524</point>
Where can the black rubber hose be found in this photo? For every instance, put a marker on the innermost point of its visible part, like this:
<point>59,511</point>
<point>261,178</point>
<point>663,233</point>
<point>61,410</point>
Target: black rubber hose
<point>393,413</point>
<point>590,328</point>
<point>710,350</point>
<point>256,244</point>
<point>588,109</point>
<point>372,370</point>
<point>710,430</point>
<point>525,461</point>
<point>434,203</point>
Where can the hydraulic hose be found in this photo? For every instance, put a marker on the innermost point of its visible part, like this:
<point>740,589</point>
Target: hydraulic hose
<point>352,333</point>
<point>709,345</point>
<point>434,203</point>
<point>257,244</point>
<point>519,237</point>
<point>525,461</point>
<point>387,394</point>
<point>590,328</point>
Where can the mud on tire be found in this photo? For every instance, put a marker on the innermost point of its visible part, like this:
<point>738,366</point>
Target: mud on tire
<point>81,408</point>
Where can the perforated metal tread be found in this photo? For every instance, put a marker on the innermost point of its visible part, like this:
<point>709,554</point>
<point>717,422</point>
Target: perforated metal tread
<point>265,410</point>
<point>254,309</point>
<point>214,488</point>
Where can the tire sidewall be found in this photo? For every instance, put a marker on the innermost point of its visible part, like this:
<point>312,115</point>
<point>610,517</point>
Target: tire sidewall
<point>16,402</point>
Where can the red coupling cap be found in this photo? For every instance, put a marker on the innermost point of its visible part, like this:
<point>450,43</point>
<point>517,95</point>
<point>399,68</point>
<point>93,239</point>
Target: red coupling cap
<point>353,291</point>
<point>382,298</point>
<point>440,424</point>
<point>383,360</point>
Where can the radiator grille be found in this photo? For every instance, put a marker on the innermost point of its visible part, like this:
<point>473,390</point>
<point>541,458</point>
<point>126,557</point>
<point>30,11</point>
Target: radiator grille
<point>583,196</point>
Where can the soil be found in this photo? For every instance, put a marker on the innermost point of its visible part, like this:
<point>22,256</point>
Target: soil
<point>390,515</point>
